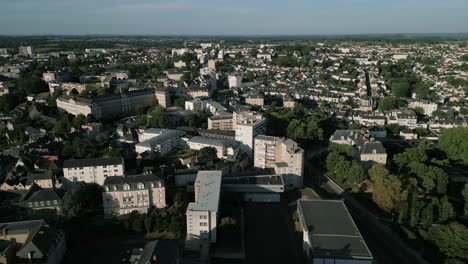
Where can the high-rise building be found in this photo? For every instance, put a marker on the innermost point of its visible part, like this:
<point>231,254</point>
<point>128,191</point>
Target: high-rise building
<point>26,50</point>
<point>202,215</point>
<point>281,154</point>
<point>248,125</point>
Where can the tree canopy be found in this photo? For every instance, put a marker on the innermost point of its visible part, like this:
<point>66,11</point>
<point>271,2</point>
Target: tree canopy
<point>454,142</point>
<point>83,199</point>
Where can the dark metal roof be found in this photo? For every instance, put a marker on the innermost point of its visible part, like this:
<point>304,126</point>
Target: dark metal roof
<point>91,162</point>
<point>332,231</point>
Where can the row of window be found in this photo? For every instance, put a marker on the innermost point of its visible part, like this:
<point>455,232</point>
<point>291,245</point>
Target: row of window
<point>43,203</point>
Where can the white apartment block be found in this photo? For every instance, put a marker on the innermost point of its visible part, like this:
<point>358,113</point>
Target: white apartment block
<point>123,195</point>
<point>281,154</point>
<point>248,125</point>
<point>93,170</point>
<point>202,215</point>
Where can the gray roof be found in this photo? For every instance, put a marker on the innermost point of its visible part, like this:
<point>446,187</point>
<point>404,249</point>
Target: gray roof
<point>214,141</point>
<point>133,180</point>
<point>166,135</point>
<point>369,148</point>
<point>92,162</point>
<point>210,187</point>
<point>332,231</point>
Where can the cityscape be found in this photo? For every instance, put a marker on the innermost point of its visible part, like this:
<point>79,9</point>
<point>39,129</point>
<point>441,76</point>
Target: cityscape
<point>207,147</point>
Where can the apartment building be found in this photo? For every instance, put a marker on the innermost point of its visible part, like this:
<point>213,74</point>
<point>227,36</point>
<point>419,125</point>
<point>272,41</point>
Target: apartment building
<point>288,102</point>
<point>330,234</point>
<point>247,126</point>
<point>197,104</point>
<point>163,141</point>
<point>224,122</point>
<point>202,215</point>
<point>125,194</point>
<point>283,155</point>
<point>67,87</point>
<point>93,170</point>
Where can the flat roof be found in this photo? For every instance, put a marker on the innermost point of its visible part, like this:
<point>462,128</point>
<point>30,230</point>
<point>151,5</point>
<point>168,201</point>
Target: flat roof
<point>210,188</point>
<point>257,179</point>
<point>92,162</point>
<point>332,231</point>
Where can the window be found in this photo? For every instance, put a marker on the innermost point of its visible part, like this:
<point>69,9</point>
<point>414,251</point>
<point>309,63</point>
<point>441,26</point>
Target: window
<point>55,202</point>
<point>105,166</point>
<point>152,185</point>
<point>106,188</point>
<point>36,204</point>
<point>203,224</point>
<point>140,186</point>
<point>30,204</point>
<point>48,202</point>
<point>203,217</point>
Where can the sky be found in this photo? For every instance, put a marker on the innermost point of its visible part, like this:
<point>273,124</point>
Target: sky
<point>231,17</point>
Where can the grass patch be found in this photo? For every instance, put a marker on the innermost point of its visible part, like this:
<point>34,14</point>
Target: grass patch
<point>308,193</point>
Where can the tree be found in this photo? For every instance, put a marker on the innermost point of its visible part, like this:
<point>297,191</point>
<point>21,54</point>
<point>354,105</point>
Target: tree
<point>180,101</point>
<point>158,118</point>
<point>32,84</point>
<point>387,189</point>
<point>83,199</point>
<point>450,239</point>
<point>208,152</point>
<point>393,129</point>
<point>431,70</point>
<point>454,143</point>
<point>389,103</point>
<point>465,196</point>
<point>9,101</point>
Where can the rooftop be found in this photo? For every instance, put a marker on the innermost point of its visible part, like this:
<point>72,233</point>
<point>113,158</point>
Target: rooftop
<point>92,162</point>
<point>210,187</point>
<point>332,231</point>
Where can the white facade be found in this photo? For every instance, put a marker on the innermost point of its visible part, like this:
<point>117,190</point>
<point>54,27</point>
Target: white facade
<point>93,170</point>
<point>202,215</point>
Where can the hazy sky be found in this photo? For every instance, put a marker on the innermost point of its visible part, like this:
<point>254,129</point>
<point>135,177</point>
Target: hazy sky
<point>232,17</point>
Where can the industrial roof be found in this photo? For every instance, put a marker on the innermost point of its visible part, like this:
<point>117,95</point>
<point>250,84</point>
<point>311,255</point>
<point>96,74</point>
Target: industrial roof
<point>332,231</point>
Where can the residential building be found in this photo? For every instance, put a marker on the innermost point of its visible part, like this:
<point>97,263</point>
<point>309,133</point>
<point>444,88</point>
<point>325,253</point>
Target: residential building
<point>427,107</point>
<point>225,149</point>
<point>283,155</point>
<point>6,87</point>
<point>202,215</point>
<point>373,152</point>
<point>288,102</point>
<point>25,51</point>
<point>120,104</point>
<point>248,125</point>
<point>43,178</point>
<point>255,99</point>
<point>330,234</point>
<point>163,98</point>
<point>224,122</point>
<point>163,141</point>
<point>124,194</point>
<point>32,242</point>
<point>93,170</point>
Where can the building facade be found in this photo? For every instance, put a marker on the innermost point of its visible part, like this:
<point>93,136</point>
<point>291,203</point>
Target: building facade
<point>283,155</point>
<point>202,215</point>
<point>93,170</point>
<point>125,194</point>
<point>247,126</point>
